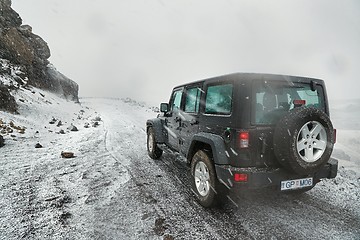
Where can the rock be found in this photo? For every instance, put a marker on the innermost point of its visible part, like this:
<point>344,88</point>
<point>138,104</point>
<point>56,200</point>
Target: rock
<point>8,17</point>
<point>20,46</point>
<point>59,124</point>
<point>95,124</point>
<point>2,141</point>
<point>7,101</point>
<point>86,125</point>
<point>61,84</point>
<point>67,154</point>
<point>38,145</point>
<point>62,131</point>
<point>53,121</point>
<point>73,128</point>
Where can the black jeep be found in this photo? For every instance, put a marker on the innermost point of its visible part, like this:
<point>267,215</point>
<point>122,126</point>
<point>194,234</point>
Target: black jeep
<point>248,131</point>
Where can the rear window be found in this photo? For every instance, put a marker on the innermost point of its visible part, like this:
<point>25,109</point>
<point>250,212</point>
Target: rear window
<point>275,99</point>
<point>219,99</point>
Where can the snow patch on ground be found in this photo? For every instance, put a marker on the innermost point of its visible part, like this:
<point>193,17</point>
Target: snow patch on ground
<point>111,189</point>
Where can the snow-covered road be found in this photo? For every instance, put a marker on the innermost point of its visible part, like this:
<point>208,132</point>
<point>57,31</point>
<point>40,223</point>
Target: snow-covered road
<point>113,190</point>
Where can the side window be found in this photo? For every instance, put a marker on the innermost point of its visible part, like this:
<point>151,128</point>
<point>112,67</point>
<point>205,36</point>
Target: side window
<point>192,100</point>
<point>176,100</point>
<point>219,99</point>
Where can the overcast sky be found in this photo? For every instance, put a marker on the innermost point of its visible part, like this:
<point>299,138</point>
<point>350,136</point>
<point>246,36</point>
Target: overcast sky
<point>143,48</point>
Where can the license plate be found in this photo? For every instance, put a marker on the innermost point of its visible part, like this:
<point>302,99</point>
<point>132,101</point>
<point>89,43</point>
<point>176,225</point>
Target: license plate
<point>296,184</point>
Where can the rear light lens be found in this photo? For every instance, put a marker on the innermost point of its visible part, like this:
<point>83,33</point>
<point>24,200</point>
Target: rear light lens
<point>299,102</point>
<point>240,177</point>
<point>334,135</point>
<point>244,139</point>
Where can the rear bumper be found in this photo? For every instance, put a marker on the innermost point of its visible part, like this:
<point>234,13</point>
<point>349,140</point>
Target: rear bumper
<point>258,178</point>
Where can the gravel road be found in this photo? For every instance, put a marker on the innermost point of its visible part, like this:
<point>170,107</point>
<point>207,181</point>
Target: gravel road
<point>113,190</point>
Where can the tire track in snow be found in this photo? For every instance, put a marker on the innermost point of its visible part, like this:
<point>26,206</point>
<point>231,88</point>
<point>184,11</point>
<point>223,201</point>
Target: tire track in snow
<point>140,165</point>
<point>258,216</point>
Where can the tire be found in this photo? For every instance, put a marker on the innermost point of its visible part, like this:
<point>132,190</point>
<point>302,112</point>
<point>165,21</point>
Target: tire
<point>203,179</point>
<point>304,140</point>
<point>153,150</point>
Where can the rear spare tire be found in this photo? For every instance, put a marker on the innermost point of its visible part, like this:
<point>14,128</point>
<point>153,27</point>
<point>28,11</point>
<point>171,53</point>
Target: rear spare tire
<point>304,140</point>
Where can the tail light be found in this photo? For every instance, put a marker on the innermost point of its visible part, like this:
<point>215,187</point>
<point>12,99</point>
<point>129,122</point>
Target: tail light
<point>244,139</point>
<point>240,177</point>
<point>334,135</point>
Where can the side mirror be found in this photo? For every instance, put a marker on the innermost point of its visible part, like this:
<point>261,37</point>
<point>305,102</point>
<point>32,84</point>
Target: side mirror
<point>164,107</point>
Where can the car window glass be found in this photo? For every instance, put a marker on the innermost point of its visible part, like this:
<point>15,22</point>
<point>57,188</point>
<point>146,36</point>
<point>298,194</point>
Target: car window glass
<point>274,100</point>
<point>219,99</point>
<point>192,100</point>
<point>176,100</point>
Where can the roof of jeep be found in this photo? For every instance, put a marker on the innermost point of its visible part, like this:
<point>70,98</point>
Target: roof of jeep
<point>254,77</point>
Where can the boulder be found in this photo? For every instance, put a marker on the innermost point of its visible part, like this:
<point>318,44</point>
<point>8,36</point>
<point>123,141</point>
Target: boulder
<point>73,128</point>
<point>2,141</point>
<point>7,101</point>
<point>38,145</point>
<point>67,154</point>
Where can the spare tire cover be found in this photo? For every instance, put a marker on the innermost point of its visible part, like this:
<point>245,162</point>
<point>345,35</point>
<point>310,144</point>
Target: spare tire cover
<point>304,140</point>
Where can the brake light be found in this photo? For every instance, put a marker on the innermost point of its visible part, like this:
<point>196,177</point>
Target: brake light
<point>299,103</point>
<point>334,135</point>
<point>240,177</point>
<point>244,139</point>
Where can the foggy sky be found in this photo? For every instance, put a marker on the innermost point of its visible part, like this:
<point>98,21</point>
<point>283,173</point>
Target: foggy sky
<point>143,48</point>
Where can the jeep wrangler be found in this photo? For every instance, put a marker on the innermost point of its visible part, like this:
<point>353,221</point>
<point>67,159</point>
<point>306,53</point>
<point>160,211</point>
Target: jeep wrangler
<point>248,131</point>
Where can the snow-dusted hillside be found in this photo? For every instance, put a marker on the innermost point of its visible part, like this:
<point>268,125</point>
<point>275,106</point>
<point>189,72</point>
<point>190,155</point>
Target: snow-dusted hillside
<point>111,189</point>
<point>345,116</point>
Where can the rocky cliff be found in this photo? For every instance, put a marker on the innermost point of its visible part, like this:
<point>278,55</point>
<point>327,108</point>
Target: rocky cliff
<point>24,61</point>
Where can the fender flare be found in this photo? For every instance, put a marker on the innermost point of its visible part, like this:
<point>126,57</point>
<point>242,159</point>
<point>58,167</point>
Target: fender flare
<point>160,132</point>
<point>215,142</point>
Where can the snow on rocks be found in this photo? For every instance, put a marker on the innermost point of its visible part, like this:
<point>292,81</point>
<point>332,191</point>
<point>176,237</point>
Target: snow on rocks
<point>40,114</point>
<point>72,128</point>
<point>10,127</point>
